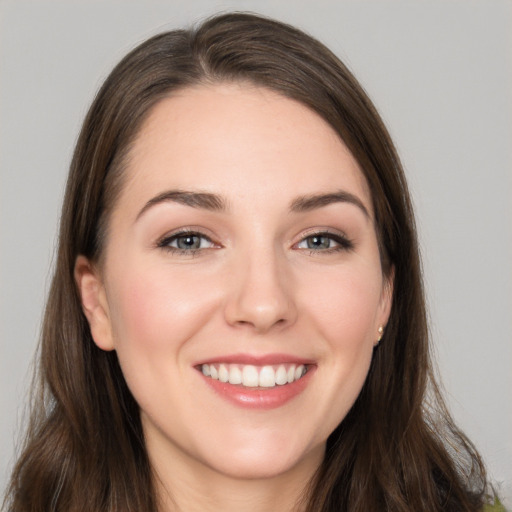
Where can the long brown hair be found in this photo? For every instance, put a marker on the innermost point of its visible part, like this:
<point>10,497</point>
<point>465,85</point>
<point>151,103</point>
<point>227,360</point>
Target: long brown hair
<point>396,450</point>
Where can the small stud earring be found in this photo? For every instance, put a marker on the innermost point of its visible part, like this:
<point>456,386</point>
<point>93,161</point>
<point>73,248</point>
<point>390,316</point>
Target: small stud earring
<point>381,332</point>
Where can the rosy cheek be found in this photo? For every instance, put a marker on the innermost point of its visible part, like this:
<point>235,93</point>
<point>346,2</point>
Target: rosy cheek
<point>158,311</point>
<point>345,302</point>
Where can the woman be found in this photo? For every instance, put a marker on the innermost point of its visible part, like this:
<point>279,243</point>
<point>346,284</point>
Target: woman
<point>237,317</point>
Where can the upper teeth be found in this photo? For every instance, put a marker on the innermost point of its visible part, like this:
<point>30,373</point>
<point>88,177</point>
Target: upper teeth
<point>254,376</point>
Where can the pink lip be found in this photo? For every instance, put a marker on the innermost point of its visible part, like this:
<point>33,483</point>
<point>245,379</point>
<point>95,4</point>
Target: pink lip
<point>259,398</point>
<point>257,360</point>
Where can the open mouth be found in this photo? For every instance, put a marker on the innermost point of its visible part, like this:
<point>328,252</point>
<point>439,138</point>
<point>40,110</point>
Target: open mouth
<point>253,376</point>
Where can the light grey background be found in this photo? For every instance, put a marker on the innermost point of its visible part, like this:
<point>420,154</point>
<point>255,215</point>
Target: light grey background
<point>440,72</point>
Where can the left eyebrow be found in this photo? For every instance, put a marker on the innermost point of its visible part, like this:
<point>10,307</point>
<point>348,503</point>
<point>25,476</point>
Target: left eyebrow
<point>312,202</point>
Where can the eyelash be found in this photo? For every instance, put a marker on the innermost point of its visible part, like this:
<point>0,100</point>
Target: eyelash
<point>165,242</point>
<point>341,241</point>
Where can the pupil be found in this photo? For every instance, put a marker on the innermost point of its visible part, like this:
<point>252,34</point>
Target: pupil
<point>188,242</point>
<point>318,242</point>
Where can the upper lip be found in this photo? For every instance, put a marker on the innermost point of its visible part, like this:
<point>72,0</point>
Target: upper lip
<point>256,360</point>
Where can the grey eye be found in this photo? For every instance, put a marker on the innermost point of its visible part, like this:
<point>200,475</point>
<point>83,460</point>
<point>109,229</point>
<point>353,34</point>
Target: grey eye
<point>186,242</point>
<point>316,242</point>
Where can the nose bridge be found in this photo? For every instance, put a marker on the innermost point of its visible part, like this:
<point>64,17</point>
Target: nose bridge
<point>261,292</point>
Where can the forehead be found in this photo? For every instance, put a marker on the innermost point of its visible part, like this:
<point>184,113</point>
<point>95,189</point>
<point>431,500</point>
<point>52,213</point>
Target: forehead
<point>241,141</point>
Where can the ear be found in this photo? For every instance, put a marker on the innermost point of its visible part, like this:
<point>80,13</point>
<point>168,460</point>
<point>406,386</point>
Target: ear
<point>94,302</point>
<point>386,299</point>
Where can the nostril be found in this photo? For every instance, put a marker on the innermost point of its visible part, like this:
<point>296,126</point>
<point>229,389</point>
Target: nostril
<point>260,300</point>
<point>260,325</point>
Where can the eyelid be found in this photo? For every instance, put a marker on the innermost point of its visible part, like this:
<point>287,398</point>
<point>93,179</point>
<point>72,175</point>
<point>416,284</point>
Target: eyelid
<point>321,231</point>
<point>343,241</point>
<point>164,241</point>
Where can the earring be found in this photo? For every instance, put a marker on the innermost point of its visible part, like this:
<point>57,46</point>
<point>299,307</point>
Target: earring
<point>381,332</point>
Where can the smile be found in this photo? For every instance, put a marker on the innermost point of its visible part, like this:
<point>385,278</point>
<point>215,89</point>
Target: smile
<point>260,382</point>
<point>252,376</point>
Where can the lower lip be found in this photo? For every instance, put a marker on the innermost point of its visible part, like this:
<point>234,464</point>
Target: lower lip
<point>260,398</point>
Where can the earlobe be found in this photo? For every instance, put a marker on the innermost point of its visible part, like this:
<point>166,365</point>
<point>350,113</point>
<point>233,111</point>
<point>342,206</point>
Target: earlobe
<point>94,302</point>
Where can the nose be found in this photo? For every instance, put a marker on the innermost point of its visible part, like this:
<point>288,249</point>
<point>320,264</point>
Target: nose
<point>261,294</point>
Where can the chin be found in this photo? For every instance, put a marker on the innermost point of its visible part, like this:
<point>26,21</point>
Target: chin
<point>266,462</point>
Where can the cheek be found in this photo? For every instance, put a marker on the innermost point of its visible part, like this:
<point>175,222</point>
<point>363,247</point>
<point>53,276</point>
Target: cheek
<point>154,313</point>
<point>346,305</point>
<point>344,312</point>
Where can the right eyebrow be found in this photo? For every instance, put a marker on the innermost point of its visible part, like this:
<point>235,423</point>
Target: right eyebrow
<point>202,200</point>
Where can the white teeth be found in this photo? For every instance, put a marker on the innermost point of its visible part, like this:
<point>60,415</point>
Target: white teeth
<point>250,376</point>
<point>223,373</point>
<point>281,377</point>
<point>267,377</point>
<point>299,372</point>
<point>235,375</point>
<point>254,376</point>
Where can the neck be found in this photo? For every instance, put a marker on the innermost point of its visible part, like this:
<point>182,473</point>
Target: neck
<point>190,486</point>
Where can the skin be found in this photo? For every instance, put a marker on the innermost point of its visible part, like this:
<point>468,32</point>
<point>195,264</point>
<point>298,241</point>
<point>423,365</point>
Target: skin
<point>254,287</point>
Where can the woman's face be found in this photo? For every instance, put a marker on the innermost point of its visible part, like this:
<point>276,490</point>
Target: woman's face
<point>241,286</point>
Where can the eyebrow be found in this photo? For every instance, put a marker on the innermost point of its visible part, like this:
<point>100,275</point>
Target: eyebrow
<point>214,202</point>
<point>201,200</point>
<point>312,202</point>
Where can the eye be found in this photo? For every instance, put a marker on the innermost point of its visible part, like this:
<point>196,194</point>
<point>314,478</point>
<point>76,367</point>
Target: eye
<point>186,242</point>
<point>326,242</point>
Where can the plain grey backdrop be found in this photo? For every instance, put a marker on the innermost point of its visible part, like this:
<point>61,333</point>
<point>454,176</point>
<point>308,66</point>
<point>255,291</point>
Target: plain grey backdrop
<point>439,71</point>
